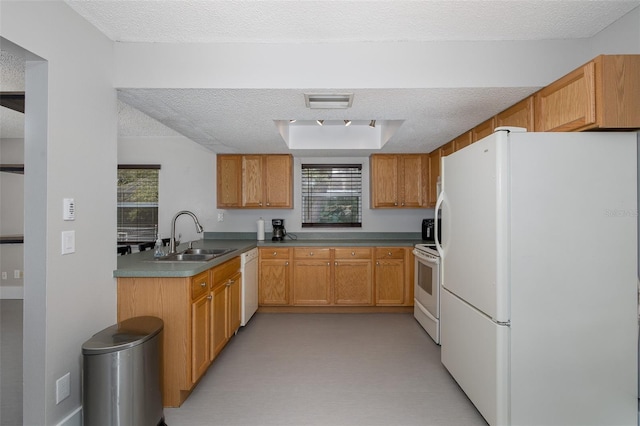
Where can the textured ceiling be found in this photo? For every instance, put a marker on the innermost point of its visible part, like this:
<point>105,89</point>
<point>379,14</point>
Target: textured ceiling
<point>242,120</point>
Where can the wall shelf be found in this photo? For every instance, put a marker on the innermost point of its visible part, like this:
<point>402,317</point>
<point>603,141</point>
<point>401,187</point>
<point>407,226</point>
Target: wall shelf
<point>12,168</point>
<point>12,239</point>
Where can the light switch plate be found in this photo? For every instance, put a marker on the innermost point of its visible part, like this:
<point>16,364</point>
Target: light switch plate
<point>68,242</point>
<point>63,388</point>
<point>68,209</point>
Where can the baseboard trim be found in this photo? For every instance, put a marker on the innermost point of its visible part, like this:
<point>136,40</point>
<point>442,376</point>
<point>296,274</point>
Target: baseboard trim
<point>73,419</point>
<point>11,292</point>
<point>335,309</point>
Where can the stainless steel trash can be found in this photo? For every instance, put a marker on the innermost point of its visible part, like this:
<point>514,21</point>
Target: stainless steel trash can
<point>121,375</point>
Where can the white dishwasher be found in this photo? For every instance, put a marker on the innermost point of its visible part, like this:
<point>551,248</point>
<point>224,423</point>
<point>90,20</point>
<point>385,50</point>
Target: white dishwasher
<point>249,269</point>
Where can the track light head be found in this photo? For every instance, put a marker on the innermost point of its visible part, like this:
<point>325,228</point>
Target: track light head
<point>347,122</point>
<point>320,122</point>
<point>292,121</point>
<point>372,124</point>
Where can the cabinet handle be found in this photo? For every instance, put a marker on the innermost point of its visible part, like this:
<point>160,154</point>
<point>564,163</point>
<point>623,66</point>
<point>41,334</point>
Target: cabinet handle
<point>310,253</point>
<point>260,203</point>
<point>403,204</point>
<point>209,297</point>
<point>268,204</point>
<point>377,262</point>
<point>203,284</point>
<point>389,253</point>
<point>275,253</point>
<point>286,263</point>
<point>353,253</point>
<point>395,204</point>
<point>334,263</point>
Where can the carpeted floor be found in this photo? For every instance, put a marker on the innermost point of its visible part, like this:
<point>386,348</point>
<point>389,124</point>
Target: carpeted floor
<point>327,369</point>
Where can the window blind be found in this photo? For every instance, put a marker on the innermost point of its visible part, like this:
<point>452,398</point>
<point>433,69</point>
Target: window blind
<point>332,195</point>
<point>137,203</point>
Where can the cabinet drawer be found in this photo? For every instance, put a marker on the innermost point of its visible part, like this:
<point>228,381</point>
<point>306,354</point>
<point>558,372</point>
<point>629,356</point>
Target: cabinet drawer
<point>390,253</point>
<point>274,253</point>
<point>353,253</point>
<point>225,271</point>
<point>199,285</point>
<point>312,253</point>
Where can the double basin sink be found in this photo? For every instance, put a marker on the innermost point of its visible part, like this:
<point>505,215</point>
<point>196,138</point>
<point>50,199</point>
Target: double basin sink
<point>195,255</point>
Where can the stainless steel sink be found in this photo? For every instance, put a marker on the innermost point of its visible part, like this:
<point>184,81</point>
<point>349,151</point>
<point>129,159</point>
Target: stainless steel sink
<point>195,255</point>
<point>214,251</point>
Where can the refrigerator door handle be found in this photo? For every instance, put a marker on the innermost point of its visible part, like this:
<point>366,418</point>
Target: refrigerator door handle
<point>435,237</point>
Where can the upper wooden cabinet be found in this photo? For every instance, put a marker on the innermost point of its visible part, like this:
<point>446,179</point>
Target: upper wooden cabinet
<point>483,129</point>
<point>601,94</point>
<point>462,141</point>
<point>254,181</point>
<point>518,115</point>
<point>399,180</point>
<point>434,172</point>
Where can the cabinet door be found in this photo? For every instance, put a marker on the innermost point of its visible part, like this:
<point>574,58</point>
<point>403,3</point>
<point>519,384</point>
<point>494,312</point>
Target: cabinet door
<point>278,181</point>
<point>569,103</point>
<point>434,172</point>
<point>353,282</point>
<point>311,282</point>
<point>274,282</point>
<point>519,115</point>
<point>483,129</point>
<point>229,181</point>
<point>413,178</point>
<point>252,181</point>
<point>384,180</point>
<point>219,319</point>
<point>200,334</point>
<point>462,141</point>
<point>234,288</point>
<point>390,282</point>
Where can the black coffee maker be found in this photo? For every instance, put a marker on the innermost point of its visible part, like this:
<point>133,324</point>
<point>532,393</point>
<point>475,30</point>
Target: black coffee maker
<point>278,230</point>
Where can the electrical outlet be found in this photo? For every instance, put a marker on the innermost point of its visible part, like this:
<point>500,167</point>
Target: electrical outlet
<point>4,275</point>
<point>16,274</point>
<point>220,217</point>
<point>63,388</point>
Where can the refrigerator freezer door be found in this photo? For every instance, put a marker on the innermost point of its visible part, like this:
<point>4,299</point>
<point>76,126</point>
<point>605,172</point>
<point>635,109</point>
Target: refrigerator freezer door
<point>475,224</point>
<point>475,351</point>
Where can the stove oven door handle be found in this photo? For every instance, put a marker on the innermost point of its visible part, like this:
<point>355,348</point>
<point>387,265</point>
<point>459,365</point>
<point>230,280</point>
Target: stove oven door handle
<point>427,259</point>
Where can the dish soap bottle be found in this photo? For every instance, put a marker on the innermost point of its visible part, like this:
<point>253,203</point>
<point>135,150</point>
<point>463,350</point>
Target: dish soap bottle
<point>158,250</point>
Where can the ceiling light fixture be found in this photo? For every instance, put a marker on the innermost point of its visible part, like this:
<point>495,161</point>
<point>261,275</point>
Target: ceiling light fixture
<point>347,122</point>
<point>320,122</point>
<point>328,101</point>
<point>372,124</point>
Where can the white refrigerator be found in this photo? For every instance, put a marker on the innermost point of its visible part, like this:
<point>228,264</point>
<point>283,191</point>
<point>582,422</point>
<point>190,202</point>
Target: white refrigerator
<point>539,308</point>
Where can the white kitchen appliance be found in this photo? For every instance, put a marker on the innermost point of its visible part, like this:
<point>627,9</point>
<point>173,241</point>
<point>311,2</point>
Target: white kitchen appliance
<point>539,277</point>
<point>249,270</point>
<point>426,302</point>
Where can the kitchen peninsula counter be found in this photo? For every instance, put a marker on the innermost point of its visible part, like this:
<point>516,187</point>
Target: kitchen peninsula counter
<point>143,264</point>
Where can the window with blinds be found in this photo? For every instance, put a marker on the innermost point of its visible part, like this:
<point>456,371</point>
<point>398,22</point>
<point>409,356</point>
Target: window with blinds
<point>332,195</point>
<point>137,203</point>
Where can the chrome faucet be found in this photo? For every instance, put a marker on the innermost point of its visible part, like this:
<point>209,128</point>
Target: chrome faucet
<point>172,241</point>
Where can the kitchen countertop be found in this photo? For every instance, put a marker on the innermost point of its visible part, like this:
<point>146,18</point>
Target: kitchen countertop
<point>143,264</point>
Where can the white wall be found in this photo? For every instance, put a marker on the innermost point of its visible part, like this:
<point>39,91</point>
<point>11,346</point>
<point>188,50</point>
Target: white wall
<point>186,179</point>
<point>621,37</point>
<point>70,151</point>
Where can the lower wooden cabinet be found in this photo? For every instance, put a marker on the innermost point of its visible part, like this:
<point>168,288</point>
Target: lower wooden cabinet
<point>193,310</point>
<point>340,276</point>
<point>200,325</point>
<point>391,288</point>
<point>353,276</point>
<point>274,273</point>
